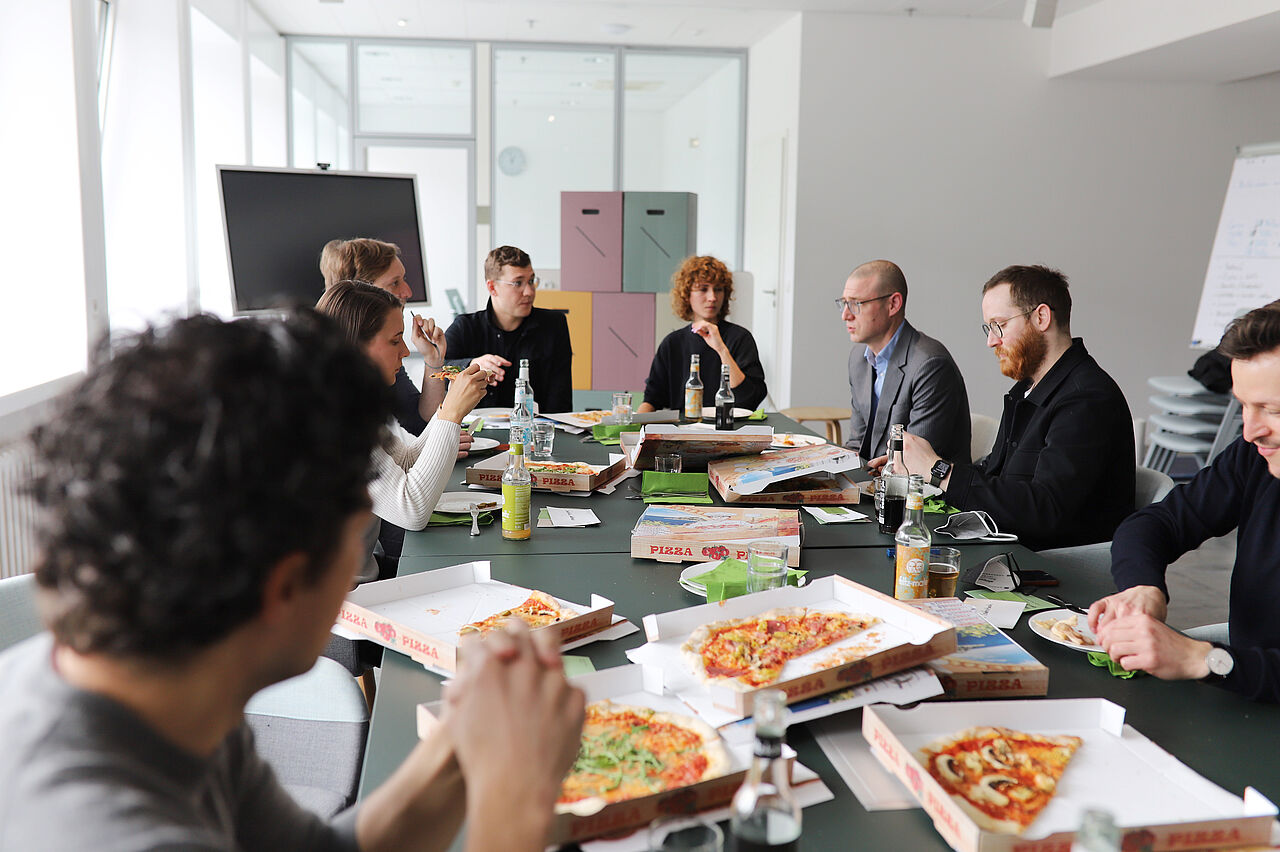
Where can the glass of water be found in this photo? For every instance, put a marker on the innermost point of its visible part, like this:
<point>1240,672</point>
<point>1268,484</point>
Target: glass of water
<point>544,436</point>
<point>766,565</point>
<point>668,463</point>
<point>622,408</point>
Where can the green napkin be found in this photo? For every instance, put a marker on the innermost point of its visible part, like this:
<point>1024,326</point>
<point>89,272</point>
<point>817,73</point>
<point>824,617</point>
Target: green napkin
<point>1102,660</point>
<point>607,433</point>
<point>1032,602</point>
<point>454,519</point>
<point>938,506</point>
<point>729,580</point>
<point>574,665</point>
<point>693,487</point>
<point>758,414</point>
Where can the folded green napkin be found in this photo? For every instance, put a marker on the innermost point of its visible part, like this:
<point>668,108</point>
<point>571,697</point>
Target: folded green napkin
<point>574,665</point>
<point>939,506</point>
<point>729,580</point>
<point>1103,660</point>
<point>607,433</point>
<point>1032,602</point>
<point>692,487</point>
<point>758,414</point>
<point>453,519</point>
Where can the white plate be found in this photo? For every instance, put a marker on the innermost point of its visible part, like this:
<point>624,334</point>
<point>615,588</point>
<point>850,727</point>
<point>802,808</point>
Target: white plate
<point>479,444</point>
<point>687,575</point>
<point>787,440</point>
<point>1042,622</point>
<point>460,501</point>
<point>490,414</point>
<point>709,413</point>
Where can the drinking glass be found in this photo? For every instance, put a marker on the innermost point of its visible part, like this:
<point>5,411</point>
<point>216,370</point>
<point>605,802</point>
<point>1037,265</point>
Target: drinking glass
<point>944,571</point>
<point>544,436</point>
<point>669,463</point>
<point>685,834</point>
<point>622,408</point>
<point>766,565</point>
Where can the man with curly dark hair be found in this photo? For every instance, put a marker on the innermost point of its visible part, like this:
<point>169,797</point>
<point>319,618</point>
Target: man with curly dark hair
<point>204,499</point>
<point>700,291</point>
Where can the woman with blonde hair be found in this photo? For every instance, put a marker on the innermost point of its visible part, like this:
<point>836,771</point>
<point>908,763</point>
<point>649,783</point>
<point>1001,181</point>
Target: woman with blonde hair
<point>700,291</point>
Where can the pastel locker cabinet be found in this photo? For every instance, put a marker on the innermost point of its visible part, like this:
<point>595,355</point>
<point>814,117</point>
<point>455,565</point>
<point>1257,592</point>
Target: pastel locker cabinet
<point>659,230</point>
<point>591,241</point>
<point>621,340</point>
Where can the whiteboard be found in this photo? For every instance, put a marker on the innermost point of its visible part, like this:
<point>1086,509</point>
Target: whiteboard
<point>1244,266</point>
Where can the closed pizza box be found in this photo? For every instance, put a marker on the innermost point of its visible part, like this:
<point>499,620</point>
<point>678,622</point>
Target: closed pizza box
<point>674,532</point>
<point>986,662</point>
<point>696,446</point>
<point>489,473</point>
<point>420,614</point>
<point>819,474</point>
<point>1158,802</point>
<point>905,637</point>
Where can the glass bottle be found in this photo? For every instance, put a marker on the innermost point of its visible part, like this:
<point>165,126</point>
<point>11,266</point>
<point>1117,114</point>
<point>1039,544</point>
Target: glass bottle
<point>521,416</point>
<point>1098,832</point>
<point>891,487</point>
<point>765,814</point>
<point>528,388</point>
<point>517,494</point>
<point>693,392</point>
<point>724,401</point>
<point>911,576</point>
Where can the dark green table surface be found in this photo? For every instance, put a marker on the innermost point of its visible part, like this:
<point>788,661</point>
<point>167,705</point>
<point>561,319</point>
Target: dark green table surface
<point>1214,732</point>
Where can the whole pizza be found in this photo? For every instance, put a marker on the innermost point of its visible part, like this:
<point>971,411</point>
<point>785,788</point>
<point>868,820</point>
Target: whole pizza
<point>538,611</point>
<point>628,751</point>
<point>560,467</point>
<point>1001,778</point>
<point>748,653</point>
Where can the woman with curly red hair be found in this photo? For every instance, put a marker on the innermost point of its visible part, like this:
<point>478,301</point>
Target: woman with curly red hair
<point>700,291</point>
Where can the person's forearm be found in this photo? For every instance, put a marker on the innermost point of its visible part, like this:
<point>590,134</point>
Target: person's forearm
<point>645,408</point>
<point>419,807</point>
<point>433,392</point>
<point>736,376</point>
<point>508,817</point>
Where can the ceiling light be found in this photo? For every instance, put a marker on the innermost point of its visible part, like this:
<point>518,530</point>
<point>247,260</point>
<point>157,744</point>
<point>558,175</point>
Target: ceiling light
<point>402,23</point>
<point>616,29</point>
<point>551,118</point>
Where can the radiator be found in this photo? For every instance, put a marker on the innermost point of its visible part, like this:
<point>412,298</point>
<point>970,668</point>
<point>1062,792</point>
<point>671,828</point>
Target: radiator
<point>17,511</point>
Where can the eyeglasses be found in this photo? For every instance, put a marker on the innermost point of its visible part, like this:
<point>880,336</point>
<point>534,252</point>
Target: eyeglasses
<point>854,306</point>
<point>998,327</point>
<point>533,282</point>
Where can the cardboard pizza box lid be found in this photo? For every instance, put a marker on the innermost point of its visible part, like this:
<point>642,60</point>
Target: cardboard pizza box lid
<point>696,446</point>
<point>746,475</point>
<point>489,473</point>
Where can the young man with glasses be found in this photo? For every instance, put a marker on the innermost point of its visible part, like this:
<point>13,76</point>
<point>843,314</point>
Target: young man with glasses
<point>1061,472</point>
<point>899,375</point>
<point>510,328</point>
<point>1240,491</point>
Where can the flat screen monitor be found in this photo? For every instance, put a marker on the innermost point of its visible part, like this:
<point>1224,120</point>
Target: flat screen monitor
<point>278,220</point>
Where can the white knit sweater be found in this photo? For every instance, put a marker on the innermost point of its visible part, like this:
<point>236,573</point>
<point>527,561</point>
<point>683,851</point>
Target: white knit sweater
<point>413,472</point>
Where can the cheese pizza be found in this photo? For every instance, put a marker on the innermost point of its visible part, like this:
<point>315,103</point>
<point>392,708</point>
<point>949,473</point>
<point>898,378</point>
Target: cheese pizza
<point>538,611</point>
<point>1001,778</point>
<point>560,467</point>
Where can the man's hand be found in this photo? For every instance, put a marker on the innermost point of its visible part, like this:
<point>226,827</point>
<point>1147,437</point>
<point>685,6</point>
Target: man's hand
<point>428,339</point>
<point>709,332</point>
<point>1147,600</point>
<point>494,364</point>
<point>465,439</point>
<point>918,453</point>
<point>1138,640</point>
<point>466,389</point>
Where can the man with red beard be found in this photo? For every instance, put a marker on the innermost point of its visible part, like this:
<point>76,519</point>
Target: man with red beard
<point>1241,491</point>
<point>1061,472</point>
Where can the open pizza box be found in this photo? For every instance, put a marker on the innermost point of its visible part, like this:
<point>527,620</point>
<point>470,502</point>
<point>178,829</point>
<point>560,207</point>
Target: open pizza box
<point>489,473</point>
<point>1158,802</point>
<point>675,532</point>
<point>640,686</point>
<point>905,637</point>
<point>696,447</point>
<point>819,474</point>
<point>420,614</point>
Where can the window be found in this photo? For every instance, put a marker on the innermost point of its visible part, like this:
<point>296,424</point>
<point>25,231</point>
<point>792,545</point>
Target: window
<point>320,102</point>
<point>414,89</point>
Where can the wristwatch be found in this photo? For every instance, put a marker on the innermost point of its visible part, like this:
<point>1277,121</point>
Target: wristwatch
<point>939,472</point>
<point>1220,662</point>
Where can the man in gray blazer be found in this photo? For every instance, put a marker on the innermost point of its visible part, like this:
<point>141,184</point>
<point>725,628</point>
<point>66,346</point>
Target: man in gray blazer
<point>899,375</point>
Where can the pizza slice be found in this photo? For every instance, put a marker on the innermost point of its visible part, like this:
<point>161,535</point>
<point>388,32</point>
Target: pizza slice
<point>448,372</point>
<point>538,611</point>
<point>560,467</point>
<point>1001,778</point>
<point>629,751</point>
<point>747,653</point>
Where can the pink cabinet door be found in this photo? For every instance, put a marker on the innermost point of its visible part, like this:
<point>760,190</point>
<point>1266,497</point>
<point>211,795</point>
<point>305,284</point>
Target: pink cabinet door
<point>621,340</point>
<point>591,241</point>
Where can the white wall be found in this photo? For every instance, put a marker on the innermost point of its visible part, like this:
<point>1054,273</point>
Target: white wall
<point>941,144</point>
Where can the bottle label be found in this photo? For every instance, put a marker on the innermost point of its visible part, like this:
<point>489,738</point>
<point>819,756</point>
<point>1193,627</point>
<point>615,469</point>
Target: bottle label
<point>693,403</point>
<point>515,508</point>
<point>915,501</point>
<point>911,580</point>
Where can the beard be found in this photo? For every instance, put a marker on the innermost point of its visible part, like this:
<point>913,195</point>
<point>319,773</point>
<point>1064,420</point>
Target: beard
<point>1021,359</point>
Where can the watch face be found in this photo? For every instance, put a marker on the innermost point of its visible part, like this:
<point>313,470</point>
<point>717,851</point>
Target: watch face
<point>1220,662</point>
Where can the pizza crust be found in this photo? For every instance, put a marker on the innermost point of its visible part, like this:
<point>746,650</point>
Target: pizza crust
<point>542,599</point>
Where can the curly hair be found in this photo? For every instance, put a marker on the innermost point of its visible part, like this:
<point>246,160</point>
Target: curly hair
<point>699,269</point>
<point>504,256</point>
<point>359,259</point>
<point>177,474</point>
<point>1253,334</point>
<point>358,308</point>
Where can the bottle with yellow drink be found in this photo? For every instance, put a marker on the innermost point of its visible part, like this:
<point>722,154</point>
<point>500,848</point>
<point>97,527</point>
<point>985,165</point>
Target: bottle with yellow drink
<point>911,580</point>
<point>517,493</point>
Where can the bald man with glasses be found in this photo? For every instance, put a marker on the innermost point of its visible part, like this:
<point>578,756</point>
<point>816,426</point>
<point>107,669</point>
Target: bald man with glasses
<point>898,375</point>
<point>510,328</point>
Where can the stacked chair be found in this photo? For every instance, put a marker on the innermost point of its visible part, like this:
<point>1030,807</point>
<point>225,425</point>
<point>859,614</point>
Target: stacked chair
<point>1189,420</point>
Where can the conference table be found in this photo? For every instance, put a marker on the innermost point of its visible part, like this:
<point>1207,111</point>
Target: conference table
<point>1224,737</point>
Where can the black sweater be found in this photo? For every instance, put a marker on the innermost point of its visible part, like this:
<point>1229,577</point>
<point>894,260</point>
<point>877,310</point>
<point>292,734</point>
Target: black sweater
<point>1235,492</point>
<point>543,338</point>
<point>670,369</point>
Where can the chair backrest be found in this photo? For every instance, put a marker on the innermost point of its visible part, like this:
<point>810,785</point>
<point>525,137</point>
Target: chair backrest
<point>983,438</point>
<point>1150,486</point>
<point>18,617</point>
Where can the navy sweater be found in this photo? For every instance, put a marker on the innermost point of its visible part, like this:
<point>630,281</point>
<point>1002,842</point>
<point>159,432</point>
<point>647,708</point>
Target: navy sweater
<point>1235,492</point>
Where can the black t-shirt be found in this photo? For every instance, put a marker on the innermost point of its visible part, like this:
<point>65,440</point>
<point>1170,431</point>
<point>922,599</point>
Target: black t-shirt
<point>543,338</point>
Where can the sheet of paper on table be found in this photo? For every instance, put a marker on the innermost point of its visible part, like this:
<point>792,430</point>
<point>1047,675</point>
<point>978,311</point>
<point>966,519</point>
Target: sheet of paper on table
<point>1000,613</point>
<point>571,517</point>
<point>876,789</point>
<point>835,514</point>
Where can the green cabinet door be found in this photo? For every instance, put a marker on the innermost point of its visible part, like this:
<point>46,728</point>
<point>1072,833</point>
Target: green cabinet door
<point>659,230</point>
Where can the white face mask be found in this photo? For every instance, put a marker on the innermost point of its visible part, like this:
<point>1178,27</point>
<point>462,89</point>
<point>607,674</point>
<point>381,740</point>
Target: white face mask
<point>999,574</point>
<point>976,524</point>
